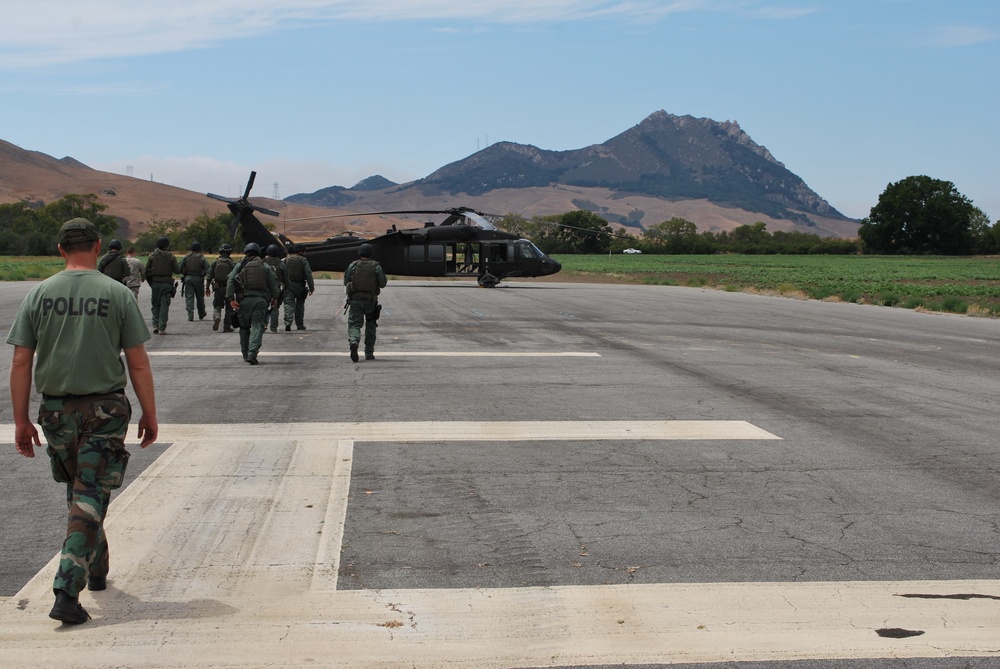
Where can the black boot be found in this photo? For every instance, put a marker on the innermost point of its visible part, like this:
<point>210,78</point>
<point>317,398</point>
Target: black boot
<point>68,610</point>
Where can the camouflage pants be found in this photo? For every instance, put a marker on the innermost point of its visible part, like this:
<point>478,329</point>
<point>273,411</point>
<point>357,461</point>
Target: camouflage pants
<point>86,447</point>
<point>360,314</point>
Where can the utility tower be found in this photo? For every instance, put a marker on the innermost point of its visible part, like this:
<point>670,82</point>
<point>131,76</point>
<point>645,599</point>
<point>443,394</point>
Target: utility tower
<point>276,191</point>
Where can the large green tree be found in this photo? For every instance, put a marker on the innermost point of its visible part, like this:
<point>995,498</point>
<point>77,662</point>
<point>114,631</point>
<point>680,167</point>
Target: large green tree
<point>920,215</point>
<point>578,231</point>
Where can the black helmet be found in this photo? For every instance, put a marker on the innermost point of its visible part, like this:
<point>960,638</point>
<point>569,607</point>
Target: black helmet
<point>298,248</point>
<point>115,244</point>
<point>365,251</point>
<point>226,249</point>
<point>195,246</point>
<point>162,243</point>
<point>272,250</point>
<point>253,248</point>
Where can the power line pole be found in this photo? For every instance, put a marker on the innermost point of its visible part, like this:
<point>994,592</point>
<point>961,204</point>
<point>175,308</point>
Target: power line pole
<point>276,191</point>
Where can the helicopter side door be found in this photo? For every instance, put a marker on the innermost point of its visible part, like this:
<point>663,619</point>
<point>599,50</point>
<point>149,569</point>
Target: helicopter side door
<point>425,259</point>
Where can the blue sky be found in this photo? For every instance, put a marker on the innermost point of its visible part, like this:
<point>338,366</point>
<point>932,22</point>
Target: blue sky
<point>851,95</point>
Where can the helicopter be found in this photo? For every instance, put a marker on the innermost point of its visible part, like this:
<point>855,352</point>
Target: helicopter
<point>465,244</point>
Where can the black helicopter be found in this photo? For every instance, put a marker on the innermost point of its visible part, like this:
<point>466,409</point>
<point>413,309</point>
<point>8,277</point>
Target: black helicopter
<point>465,244</point>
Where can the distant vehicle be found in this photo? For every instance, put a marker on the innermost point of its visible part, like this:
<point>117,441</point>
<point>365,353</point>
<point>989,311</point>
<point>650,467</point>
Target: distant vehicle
<point>632,252</point>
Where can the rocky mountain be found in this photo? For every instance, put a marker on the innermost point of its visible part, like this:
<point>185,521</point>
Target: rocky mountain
<point>666,158</point>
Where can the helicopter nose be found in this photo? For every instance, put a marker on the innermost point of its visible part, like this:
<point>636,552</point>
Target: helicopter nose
<point>553,266</point>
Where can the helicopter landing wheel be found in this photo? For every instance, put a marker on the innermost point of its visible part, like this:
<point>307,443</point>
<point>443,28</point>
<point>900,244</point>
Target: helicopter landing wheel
<point>488,281</point>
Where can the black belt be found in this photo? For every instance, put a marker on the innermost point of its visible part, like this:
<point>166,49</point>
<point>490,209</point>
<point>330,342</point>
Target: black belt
<point>120,391</point>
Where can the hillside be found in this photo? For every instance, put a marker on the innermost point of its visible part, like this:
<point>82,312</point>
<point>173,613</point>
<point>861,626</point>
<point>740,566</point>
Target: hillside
<point>709,172</point>
<point>35,177</point>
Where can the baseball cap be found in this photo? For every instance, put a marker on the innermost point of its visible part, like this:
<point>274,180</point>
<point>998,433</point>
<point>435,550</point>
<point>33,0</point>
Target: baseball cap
<point>78,230</point>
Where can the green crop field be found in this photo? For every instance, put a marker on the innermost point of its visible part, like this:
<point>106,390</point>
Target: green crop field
<point>956,284</point>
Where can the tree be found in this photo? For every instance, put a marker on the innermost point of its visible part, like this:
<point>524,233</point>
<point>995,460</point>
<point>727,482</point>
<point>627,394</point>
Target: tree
<point>920,215</point>
<point>578,231</point>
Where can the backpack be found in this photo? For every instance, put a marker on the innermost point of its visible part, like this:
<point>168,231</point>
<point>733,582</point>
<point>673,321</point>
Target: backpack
<point>253,276</point>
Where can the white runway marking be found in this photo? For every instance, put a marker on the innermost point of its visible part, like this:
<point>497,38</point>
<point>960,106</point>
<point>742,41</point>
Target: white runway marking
<point>226,552</point>
<point>380,354</point>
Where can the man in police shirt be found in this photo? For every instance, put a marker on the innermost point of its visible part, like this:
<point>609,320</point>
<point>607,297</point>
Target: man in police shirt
<point>78,322</point>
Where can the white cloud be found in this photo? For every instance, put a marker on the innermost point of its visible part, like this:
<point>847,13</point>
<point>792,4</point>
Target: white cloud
<point>946,37</point>
<point>59,31</point>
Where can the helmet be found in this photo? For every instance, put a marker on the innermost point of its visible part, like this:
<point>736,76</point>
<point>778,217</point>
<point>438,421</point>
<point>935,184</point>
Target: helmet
<point>298,248</point>
<point>366,250</point>
<point>115,244</point>
<point>272,250</point>
<point>252,247</point>
<point>162,243</point>
<point>195,246</point>
<point>226,249</point>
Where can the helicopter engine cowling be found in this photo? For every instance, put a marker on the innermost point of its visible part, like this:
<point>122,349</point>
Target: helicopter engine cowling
<point>449,233</point>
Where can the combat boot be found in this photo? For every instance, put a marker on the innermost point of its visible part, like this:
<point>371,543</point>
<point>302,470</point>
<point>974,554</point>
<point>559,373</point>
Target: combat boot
<point>215,324</point>
<point>67,609</point>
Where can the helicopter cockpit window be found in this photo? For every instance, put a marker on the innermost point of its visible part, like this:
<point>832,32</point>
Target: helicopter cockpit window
<point>435,252</point>
<point>416,253</point>
<point>528,250</point>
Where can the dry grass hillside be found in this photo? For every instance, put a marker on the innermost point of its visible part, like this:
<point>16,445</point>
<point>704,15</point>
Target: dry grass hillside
<point>36,177</point>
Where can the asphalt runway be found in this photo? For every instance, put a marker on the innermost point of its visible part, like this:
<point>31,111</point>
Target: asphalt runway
<point>638,475</point>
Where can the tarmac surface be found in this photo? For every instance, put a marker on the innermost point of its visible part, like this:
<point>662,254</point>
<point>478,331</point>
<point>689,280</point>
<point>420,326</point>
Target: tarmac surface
<point>541,475</point>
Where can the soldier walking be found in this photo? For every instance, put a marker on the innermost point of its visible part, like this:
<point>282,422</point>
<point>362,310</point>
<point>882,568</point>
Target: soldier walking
<point>194,269</point>
<point>113,263</point>
<point>79,323</point>
<point>273,260</point>
<point>137,273</point>
<point>219,273</point>
<point>364,280</point>
<point>298,280</point>
<point>161,266</point>
<point>251,286</point>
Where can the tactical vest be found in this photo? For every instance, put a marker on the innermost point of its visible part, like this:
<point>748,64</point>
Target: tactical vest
<point>188,267</point>
<point>161,265</point>
<point>295,268</point>
<point>253,276</point>
<point>364,280</point>
<point>274,263</point>
<point>115,266</point>
<point>223,266</point>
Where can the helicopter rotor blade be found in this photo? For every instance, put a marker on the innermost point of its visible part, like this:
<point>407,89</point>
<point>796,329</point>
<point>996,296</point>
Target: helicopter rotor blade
<point>246,193</point>
<point>220,197</point>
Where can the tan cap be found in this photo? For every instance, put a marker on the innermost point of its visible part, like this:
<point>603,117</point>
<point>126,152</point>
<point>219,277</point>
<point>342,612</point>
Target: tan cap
<point>77,230</point>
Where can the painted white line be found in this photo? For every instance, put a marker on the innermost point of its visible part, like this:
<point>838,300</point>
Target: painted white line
<point>226,552</point>
<point>381,354</point>
<point>425,431</point>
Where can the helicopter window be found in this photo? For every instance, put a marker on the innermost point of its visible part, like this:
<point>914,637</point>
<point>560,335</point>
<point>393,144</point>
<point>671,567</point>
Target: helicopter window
<point>498,253</point>
<point>435,252</point>
<point>416,253</point>
<point>528,250</point>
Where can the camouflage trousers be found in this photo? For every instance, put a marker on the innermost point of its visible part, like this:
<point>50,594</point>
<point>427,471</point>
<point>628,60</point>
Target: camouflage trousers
<point>360,314</point>
<point>86,447</point>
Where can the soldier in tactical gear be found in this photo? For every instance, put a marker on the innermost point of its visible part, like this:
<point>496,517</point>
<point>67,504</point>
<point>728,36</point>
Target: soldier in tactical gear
<point>113,263</point>
<point>272,257</point>
<point>194,269</point>
<point>219,275</point>
<point>298,279</point>
<point>364,280</point>
<point>79,323</point>
<point>161,266</point>
<point>251,286</point>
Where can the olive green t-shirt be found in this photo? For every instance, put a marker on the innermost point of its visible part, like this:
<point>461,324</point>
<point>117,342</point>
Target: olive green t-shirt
<point>78,322</point>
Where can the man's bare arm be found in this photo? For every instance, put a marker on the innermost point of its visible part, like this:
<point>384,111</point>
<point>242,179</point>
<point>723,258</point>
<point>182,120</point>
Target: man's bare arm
<point>141,374</point>
<point>25,434</point>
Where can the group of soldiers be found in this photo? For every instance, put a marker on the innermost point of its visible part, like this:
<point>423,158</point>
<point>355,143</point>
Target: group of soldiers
<point>247,293</point>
